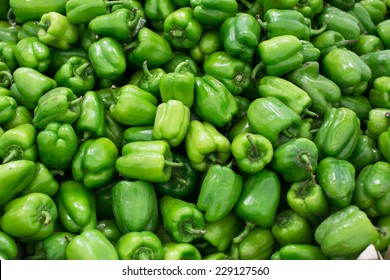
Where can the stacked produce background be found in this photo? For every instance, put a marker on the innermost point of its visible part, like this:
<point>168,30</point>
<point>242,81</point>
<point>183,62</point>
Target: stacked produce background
<point>194,129</point>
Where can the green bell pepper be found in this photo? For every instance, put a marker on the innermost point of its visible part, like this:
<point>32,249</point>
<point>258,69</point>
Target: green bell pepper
<point>171,122</point>
<point>378,122</point>
<point>213,101</point>
<point>309,8</point>
<point>156,11</point>
<point>19,143</point>
<point>8,107</point>
<point>15,177</point>
<point>207,44</point>
<point>382,29</point>
<point>57,145</point>
<point>234,73</point>
<point>309,51</point>
<point>181,251</point>
<point>240,35</point>
<point>28,29</point>
<point>372,191</point>
<point>180,56</point>
<point>338,134</point>
<point>9,248</point>
<point>94,163</point>
<point>379,63</point>
<point>360,104</point>
<point>30,217</point>
<point>91,244</point>
<point>366,24</point>
<point>32,53</point>
<point>138,133</point>
<point>33,10</point>
<point>299,252</point>
<point>379,94</point>
<point>211,13</point>
<point>337,179</point>
<point>150,80</point>
<point>135,207</point>
<point>22,116</point>
<point>59,57</point>
<point>7,54</point>
<point>110,229</point>
<point>9,32</point>
<point>384,229</point>
<point>252,152</point>
<point>383,143</point>
<point>5,75</point>
<point>345,233</point>
<point>143,245</point>
<point>76,206</point>
<point>86,36</point>
<point>52,247</point>
<point>205,145</point>
<point>182,220</point>
<point>377,9</point>
<point>342,4</point>
<point>57,105</point>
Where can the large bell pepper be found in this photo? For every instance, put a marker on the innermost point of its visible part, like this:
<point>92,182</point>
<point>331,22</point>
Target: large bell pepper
<point>143,245</point>
<point>156,11</point>
<point>94,162</point>
<point>181,251</point>
<point>32,53</point>
<point>345,233</point>
<point>211,13</point>
<point>182,220</point>
<point>9,249</point>
<point>379,94</point>
<point>213,101</point>
<point>30,217</point>
<point>33,10</point>
<point>338,133</point>
<point>368,44</point>
<point>372,191</point>
<point>365,153</point>
<point>377,9</point>
<point>52,247</point>
<point>240,35</point>
<point>76,206</point>
<point>134,206</point>
<point>205,145</point>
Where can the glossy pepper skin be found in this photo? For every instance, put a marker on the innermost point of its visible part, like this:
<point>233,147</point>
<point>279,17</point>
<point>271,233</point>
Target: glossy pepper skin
<point>9,249</point>
<point>57,144</point>
<point>19,143</point>
<point>219,192</point>
<point>213,101</point>
<point>383,144</point>
<point>8,107</point>
<point>138,133</point>
<point>94,162</point>
<point>91,244</point>
<point>30,217</point>
<point>233,72</point>
<point>252,152</point>
<point>182,220</point>
<point>329,40</point>
<point>309,8</point>
<point>378,122</point>
<point>208,43</point>
<point>240,35</point>
<point>372,191</point>
<point>51,248</point>
<point>156,11</point>
<point>338,119</point>
<point>15,177</point>
<point>360,104</point>
<point>181,251</point>
<point>212,13</point>
<point>110,229</point>
<point>29,29</point>
<point>171,122</point>
<point>383,30</point>
<point>76,206</point>
<point>134,205</point>
<point>376,9</point>
<point>32,53</point>
<point>205,145</point>
<point>379,94</point>
<point>345,233</point>
<point>9,32</point>
<point>378,62</point>
<point>143,245</point>
<point>7,53</point>
<point>150,80</point>
<point>133,106</point>
<point>366,24</point>
<point>147,160</point>
<point>57,105</point>
<point>79,12</point>
<point>365,153</point>
<point>299,252</point>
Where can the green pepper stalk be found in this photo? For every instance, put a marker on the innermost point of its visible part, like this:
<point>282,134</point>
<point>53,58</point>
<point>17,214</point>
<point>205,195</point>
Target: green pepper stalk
<point>150,80</point>
<point>143,245</point>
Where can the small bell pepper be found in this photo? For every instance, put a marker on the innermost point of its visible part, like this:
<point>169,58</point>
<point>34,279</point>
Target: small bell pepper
<point>91,121</point>
<point>178,86</point>
<point>171,122</point>
<point>182,220</point>
<point>181,251</point>
<point>134,205</point>
<point>382,29</point>
<point>213,101</point>
<point>138,133</point>
<point>147,160</point>
<point>107,58</point>
<point>299,252</point>
<point>57,105</point>
<point>207,44</point>
<point>9,249</point>
<point>150,80</point>
<point>252,152</point>
<point>110,229</point>
<point>178,57</point>
<point>52,247</point>
<point>378,122</point>
<point>57,144</point>
<point>257,245</point>
<point>322,91</point>
<point>32,53</point>
<point>133,106</point>
<point>15,177</point>
<point>240,35</point>
<point>234,73</point>
<point>366,24</point>
<point>372,191</point>
<point>291,228</point>
<point>337,179</point>
<point>345,233</point>
<point>377,9</point>
<point>143,245</point>
<point>113,130</point>
<point>383,144</point>
<point>125,22</point>
<point>7,54</point>
<point>76,206</point>
<point>30,217</point>
<point>19,143</point>
<point>309,51</point>
<point>76,74</point>
<point>94,162</point>
<point>379,94</point>
<point>379,63</point>
<point>181,29</point>
<point>338,134</point>
<point>261,116</point>
<point>91,244</point>
<point>22,116</point>
<point>33,10</point>
<point>211,13</point>
<point>360,104</point>
<point>205,145</point>
<point>8,107</point>
<point>219,192</point>
<point>57,31</point>
<point>29,29</point>
<point>156,11</point>
<point>295,160</point>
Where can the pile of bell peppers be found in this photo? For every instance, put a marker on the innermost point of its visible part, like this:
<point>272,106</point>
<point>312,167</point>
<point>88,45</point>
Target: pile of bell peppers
<point>194,129</point>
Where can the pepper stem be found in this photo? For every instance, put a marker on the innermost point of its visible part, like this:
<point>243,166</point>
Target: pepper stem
<point>131,46</point>
<point>234,252</point>
<point>57,172</point>
<point>12,155</point>
<point>193,231</point>
<point>256,69</point>
<point>181,180</point>
<point>143,253</point>
<point>86,136</point>
<point>177,33</point>
<point>318,31</point>
<point>11,17</point>
<point>173,164</point>
<point>345,42</point>
<point>145,68</point>
<point>42,25</point>
<point>181,65</point>
<point>83,70</point>
<point>246,3</point>
<point>75,102</point>
<point>112,3</point>
<point>306,111</point>
<point>244,233</point>
<point>45,218</point>
<point>253,152</point>
<point>263,24</point>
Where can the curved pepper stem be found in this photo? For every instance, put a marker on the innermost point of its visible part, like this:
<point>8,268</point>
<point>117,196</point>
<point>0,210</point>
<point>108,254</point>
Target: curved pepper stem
<point>146,71</point>
<point>11,17</point>
<point>253,153</point>
<point>57,172</point>
<point>45,218</point>
<point>112,3</point>
<point>306,160</point>
<point>256,70</point>
<point>14,153</point>
<point>83,70</point>
<point>193,231</point>
<point>263,24</point>
<point>307,112</point>
<point>318,31</point>
<point>136,23</point>
<point>173,164</point>
<point>244,233</point>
